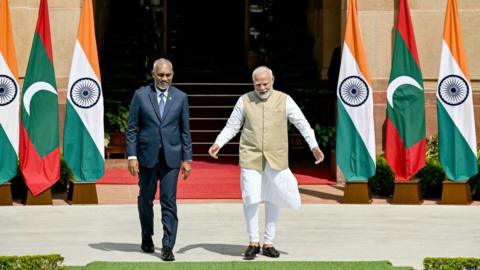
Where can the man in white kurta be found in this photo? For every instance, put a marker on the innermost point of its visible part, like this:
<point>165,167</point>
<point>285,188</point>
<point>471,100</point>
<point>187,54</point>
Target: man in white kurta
<point>265,176</point>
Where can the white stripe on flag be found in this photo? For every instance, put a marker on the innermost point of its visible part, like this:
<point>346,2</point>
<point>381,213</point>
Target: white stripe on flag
<point>462,115</point>
<point>92,117</point>
<point>9,114</point>
<point>361,116</point>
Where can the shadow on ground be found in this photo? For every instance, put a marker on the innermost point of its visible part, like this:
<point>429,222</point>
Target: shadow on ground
<point>321,195</point>
<point>223,249</point>
<point>125,247</point>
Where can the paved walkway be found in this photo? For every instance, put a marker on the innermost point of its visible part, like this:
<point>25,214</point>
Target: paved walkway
<point>215,231</point>
<point>310,194</point>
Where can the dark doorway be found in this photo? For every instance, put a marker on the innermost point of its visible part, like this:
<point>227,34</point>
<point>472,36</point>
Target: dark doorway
<point>205,40</point>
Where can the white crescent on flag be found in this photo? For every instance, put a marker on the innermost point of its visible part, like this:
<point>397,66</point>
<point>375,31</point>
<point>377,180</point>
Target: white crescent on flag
<point>32,90</point>
<point>395,84</point>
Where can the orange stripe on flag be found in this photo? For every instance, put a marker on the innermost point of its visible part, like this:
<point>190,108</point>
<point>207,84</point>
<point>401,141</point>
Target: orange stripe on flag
<point>452,34</point>
<point>86,36</point>
<point>353,38</point>
<point>7,48</point>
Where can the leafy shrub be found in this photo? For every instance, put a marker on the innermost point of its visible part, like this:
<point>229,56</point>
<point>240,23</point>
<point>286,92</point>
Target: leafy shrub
<point>382,183</point>
<point>65,176</point>
<point>431,176</point>
<point>431,179</point>
<point>38,262</point>
<point>451,263</point>
<point>117,117</point>
<point>432,148</point>
<point>475,181</point>
<point>325,136</point>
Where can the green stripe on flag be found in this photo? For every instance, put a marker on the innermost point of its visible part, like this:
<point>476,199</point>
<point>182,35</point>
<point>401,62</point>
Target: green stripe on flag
<point>42,123</point>
<point>39,68</point>
<point>408,114</point>
<point>80,151</point>
<point>405,64</point>
<point>9,163</point>
<point>457,159</point>
<point>352,154</point>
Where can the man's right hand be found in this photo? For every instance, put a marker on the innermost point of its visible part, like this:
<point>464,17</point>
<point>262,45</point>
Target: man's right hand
<point>133,166</point>
<point>213,151</point>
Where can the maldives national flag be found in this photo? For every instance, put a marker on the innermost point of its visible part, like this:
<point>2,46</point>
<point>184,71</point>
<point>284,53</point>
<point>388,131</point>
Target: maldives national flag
<point>39,151</point>
<point>456,123</point>
<point>405,126</point>
<point>83,144</point>
<point>9,98</point>
<point>355,143</point>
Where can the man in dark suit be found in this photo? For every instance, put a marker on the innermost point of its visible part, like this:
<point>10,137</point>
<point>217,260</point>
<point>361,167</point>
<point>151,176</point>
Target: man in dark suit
<point>159,144</point>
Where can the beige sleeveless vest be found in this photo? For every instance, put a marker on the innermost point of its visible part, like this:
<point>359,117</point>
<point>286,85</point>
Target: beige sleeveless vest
<point>264,135</point>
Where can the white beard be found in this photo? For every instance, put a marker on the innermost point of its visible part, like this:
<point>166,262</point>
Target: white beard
<point>264,96</point>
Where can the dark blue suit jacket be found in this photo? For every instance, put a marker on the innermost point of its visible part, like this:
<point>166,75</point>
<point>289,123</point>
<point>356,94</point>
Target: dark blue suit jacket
<point>147,132</point>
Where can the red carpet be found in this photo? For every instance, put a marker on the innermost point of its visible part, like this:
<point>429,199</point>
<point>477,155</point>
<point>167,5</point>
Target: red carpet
<point>216,181</point>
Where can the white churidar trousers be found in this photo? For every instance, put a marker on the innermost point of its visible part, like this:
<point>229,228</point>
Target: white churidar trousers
<point>271,218</point>
<point>277,188</point>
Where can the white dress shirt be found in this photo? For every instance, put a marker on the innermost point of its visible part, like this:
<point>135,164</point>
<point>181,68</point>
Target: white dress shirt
<point>278,187</point>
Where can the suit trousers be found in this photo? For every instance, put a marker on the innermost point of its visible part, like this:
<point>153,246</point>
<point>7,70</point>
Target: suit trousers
<point>168,178</point>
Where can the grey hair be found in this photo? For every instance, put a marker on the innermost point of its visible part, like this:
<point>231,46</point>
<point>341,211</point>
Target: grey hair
<point>162,61</point>
<point>261,69</point>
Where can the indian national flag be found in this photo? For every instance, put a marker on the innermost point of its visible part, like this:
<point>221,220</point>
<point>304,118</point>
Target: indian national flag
<point>456,123</point>
<point>83,146</point>
<point>355,143</point>
<point>9,98</point>
<point>405,126</point>
<point>39,149</point>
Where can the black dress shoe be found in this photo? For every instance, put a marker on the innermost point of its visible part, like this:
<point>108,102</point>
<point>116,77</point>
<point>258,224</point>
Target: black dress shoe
<point>147,245</point>
<point>270,252</point>
<point>167,254</point>
<point>251,252</point>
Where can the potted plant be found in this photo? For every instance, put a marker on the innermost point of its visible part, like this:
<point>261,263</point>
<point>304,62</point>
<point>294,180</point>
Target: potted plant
<point>326,141</point>
<point>325,137</point>
<point>117,122</point>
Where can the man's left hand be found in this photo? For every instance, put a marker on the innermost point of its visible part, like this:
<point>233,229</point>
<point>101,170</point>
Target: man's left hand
<point>318,154</point>
<point>186,169</point>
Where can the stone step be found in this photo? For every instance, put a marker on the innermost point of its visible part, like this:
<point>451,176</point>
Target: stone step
<point>212,100</point>
<point>209,136</point>
<point>214,88</point>
<point>211,111</point>
<point>207,123</point>
<point>201,148</point>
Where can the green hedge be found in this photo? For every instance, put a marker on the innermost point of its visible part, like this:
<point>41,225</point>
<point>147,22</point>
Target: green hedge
<point>475,181</point>
<point>451,263</point>
<point>431,176</point>
<point>38,262</point>
<point>382,183</point>
<point>431,179</point>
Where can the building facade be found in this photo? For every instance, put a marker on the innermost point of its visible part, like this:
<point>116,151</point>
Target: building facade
<point>324,26</point>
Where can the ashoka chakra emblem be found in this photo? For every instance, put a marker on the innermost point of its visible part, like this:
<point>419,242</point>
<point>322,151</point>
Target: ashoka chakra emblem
<point>85,93</point>
<point>8,90</point>
<point>353,91</point>
<point>453,90</point>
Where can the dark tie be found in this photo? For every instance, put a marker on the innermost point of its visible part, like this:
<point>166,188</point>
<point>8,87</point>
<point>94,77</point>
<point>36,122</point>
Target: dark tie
<point>161,104</point>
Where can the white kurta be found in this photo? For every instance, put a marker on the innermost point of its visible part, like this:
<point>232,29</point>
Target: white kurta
<point>275,186</point>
